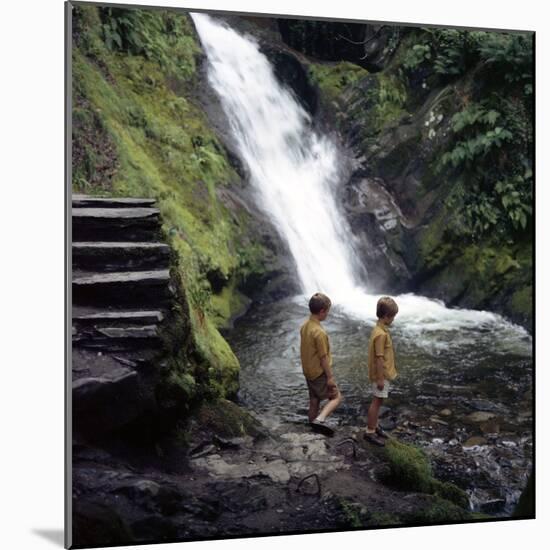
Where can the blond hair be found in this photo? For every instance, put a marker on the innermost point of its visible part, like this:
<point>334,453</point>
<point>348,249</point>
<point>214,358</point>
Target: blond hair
<point>386,307</point>
<point>318,302</point>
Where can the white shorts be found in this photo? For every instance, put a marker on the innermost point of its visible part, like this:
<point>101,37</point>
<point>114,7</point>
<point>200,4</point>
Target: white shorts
<point>383,394</point>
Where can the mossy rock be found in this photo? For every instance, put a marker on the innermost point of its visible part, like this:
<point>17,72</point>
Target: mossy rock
<point>334,78</point>
<point>433,509</point>
<point>409,468</point>
<point>384,519</point>
<point>520,305</point>
<point>226,419</point>
<point>352,515</point>
<point>449,491</point>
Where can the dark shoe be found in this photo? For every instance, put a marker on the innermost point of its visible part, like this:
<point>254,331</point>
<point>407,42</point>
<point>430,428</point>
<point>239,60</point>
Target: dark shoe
<point>374,439</point>
<point>381,433</point>
<point>322,427</point>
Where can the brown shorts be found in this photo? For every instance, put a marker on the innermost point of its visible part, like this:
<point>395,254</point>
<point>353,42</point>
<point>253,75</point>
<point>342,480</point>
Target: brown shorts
<point>318,388</point>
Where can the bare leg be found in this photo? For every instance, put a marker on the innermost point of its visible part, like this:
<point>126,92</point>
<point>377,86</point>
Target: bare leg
<point>372,416</point>
<point>313,408</point>
<point>331,406</point>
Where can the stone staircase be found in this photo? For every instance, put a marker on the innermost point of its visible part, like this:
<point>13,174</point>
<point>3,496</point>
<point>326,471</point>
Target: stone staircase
<point>121,293</point>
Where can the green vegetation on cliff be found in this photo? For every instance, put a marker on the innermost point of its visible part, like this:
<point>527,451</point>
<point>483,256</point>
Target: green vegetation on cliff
<point>446,123</point>
<point>334,78</point>
<point>138,131</point>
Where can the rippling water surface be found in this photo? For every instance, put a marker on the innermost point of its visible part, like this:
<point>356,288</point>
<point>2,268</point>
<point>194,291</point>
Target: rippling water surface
<point>483,367</point>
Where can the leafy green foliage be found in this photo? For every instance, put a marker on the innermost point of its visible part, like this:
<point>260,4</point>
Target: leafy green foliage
<point>416,55</point>
<point>492,151</point>
<point>478,124</point>
<point>510,55</point>
<point>158,35</point>
<point>388,98</point>
<point>451,52</point>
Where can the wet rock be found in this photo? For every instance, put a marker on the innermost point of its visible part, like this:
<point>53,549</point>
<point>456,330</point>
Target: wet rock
<point>436,420</point>
<point>155,527</point>
<point>203,451</point>
<point>445,412</point>
<point>87,201</point>
<point>490,427</point>
<point>115,224</point>
<point>480,416</point>
<point>227,420</point>
<point>484,405</point>
<point>140,488</point>
<point>98,523</point>
<point>387,423</point>
<point>104,403</point>
<point>123,288</point>
<point>229,443</point>
<point>493,506</point>
<point>475,441</point>
<point>120,256</point>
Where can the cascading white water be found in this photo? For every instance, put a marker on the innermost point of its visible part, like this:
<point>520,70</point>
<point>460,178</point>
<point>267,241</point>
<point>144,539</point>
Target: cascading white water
<point>292,167</point>
<point>295,172</point>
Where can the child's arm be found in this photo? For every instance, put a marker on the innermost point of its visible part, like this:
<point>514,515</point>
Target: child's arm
<point>379,343</point>
<point>331,382</point>
<point>321,342</point>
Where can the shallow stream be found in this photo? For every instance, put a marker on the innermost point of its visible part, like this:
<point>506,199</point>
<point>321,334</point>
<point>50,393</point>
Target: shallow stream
<point>464,394</point>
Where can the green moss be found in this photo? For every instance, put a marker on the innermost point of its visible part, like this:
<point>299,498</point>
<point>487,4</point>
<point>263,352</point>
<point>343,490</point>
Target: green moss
<point>522,301</point>
<point>353,514</point>
<point>438,511</point>
<point>410,470</point>
<point>222,365</point>
<point>382,519</point>
<point>452,493</point>
<point>334,78</point>
<point>226,419</point>
<point>409,467</point>
<point>227,304</point>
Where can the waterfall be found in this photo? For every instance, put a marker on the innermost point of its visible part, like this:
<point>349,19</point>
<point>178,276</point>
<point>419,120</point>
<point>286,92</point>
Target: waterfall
<point>293,169</point>
<point>295,172</point>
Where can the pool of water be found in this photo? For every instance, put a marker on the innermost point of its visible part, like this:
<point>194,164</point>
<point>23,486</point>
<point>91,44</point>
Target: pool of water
<point>464,392</point>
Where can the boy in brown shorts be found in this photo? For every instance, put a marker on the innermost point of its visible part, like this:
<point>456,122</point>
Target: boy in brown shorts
<point>381,366</point>
<point>317,365</point>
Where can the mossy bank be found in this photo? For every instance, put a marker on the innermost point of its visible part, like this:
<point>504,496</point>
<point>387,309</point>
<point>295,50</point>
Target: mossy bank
<point>138,130</point>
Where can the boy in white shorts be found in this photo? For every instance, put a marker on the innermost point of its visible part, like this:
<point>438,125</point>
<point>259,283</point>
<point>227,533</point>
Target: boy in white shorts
<point>381,363</point>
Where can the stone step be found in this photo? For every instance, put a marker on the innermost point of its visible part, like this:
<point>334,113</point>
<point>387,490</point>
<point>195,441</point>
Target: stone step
<point>84,201</point>
<point>116,256</point>
<point>106,402</point>
<point>116,338</point>
<point>98,318</point>
<point>134,288</point>
<point>116,224</point>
